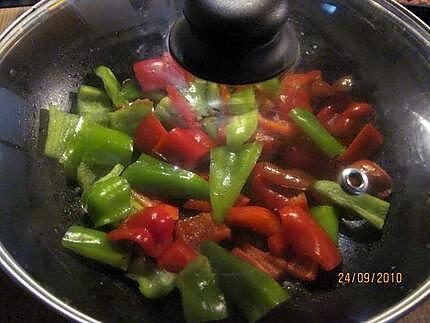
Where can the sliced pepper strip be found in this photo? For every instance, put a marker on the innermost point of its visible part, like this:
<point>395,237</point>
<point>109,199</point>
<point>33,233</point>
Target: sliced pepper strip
<point>241,128</point>
<point>112,86</point>
<point>176,256</point>
<point>152,176</point>
<point>364,144</point>
<point>255,218</point>
<point>95,245</point>
<point>310,125</point>
<point>229,171</point>
<point>254,292</point>
<point>202,299</point>
<point>93,104</point>
<point>128,118</point>
<point>148,133</point>
<point>367,206</point>
<point>307,238</point>
<point>153,282</point>
<point>183,108</point>
<point>327,218</point>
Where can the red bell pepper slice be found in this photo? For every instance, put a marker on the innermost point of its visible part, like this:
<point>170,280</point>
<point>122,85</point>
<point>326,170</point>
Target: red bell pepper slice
<point>149,132</point>
<point>157,73</point>
<point>205,206</point>
<point>364,144</point>
<point>273,186</point>
<point>197,229</point>
<point>150,74</point>
<point>186,148</point>
<point>308,239</point>
<point>272,266</point>
<point>282,128</point>
<point>299,80</point>
<point>176,257</point>
<point>303,268</point>
<point>347,124</point>
<point>320,89</point>
<point>146,201</point>
<point>379,181</point>
<point>152,228</point>
<point>180,103</point>
<point>303,155</point>
<point>255,218</point>
<point>139,235</point>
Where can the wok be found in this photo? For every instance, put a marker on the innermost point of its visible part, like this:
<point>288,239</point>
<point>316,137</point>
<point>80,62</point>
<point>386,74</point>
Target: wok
<point>55,46</point>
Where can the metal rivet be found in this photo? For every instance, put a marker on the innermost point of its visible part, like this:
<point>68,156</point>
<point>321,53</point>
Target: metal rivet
<point>354,181</point>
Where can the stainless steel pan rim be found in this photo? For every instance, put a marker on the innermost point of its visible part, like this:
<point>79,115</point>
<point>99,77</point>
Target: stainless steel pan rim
<point>15,271</point>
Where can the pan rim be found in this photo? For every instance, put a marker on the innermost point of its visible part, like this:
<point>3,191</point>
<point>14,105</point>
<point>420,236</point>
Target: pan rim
<point>19,275</point>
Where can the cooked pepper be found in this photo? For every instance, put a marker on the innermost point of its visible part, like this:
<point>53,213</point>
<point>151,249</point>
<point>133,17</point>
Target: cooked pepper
<point>269,183</point>
<point>229,171</point>
<point>95,245</point>
<point>283,128</point>
<point>112,86</point>
<point>199,228</point>
<point>108,201</point>
<point>364,144</point>
<point>128,118</point>
<point>148,133</point>
<point>186,148</point>
<point>150,175</point>
<point>307,238</point>
<point>181,106</point>
<point>176,256</point>
<point>213,96</point>
<point>211,125</point>
<point>152,228</point>
<point>367,206</point>
<point>131,91</point>
<point>88,175</point>
<point>94,144</point>
<point>61,129</point>
<point>93,104</point>
<point>241,128</point>
<point>379,181</point>
<point>242,101</point>
<point>255,218</point>
<point>197,97</point>
<point>168,117</point>
<point>271,87</point>
<point>154,282</point>
<point>327,218</point>
<point>254,292</point>
<point>202,300</point>
<point>310,125</point>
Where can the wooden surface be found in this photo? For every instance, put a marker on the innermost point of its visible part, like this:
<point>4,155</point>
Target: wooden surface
<point>17,306</point>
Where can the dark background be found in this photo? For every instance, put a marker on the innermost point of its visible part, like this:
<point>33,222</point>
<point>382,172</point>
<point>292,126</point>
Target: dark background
<point>16,3</point>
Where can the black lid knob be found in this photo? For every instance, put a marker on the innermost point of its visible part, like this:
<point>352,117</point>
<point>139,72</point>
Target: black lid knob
<point>234,42</point>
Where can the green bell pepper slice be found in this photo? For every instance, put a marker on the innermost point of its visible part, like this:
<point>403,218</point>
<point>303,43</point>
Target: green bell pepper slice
<point>213,96</point>
<point>242,101</point>
<point>196,95</point>
<point>94,144</point>
<point>310,125</point>
<point>150,175</point>
<point>153,282</point>
<point>367,206</point>
<point>202,300</point>
<point>112,85</point>
<point>228,173</point>
<point>251,290</point>
<point>108,201</point>
<point>241,128</point>
<point>130,90</point>
<point>128,118</point>
<point>210,126</point>
<point>93,104</point>
<point>61,129</point>
<point>167,117</point>
<point>95,245</point>
<point>327,218</point>
<point>272,86</point>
